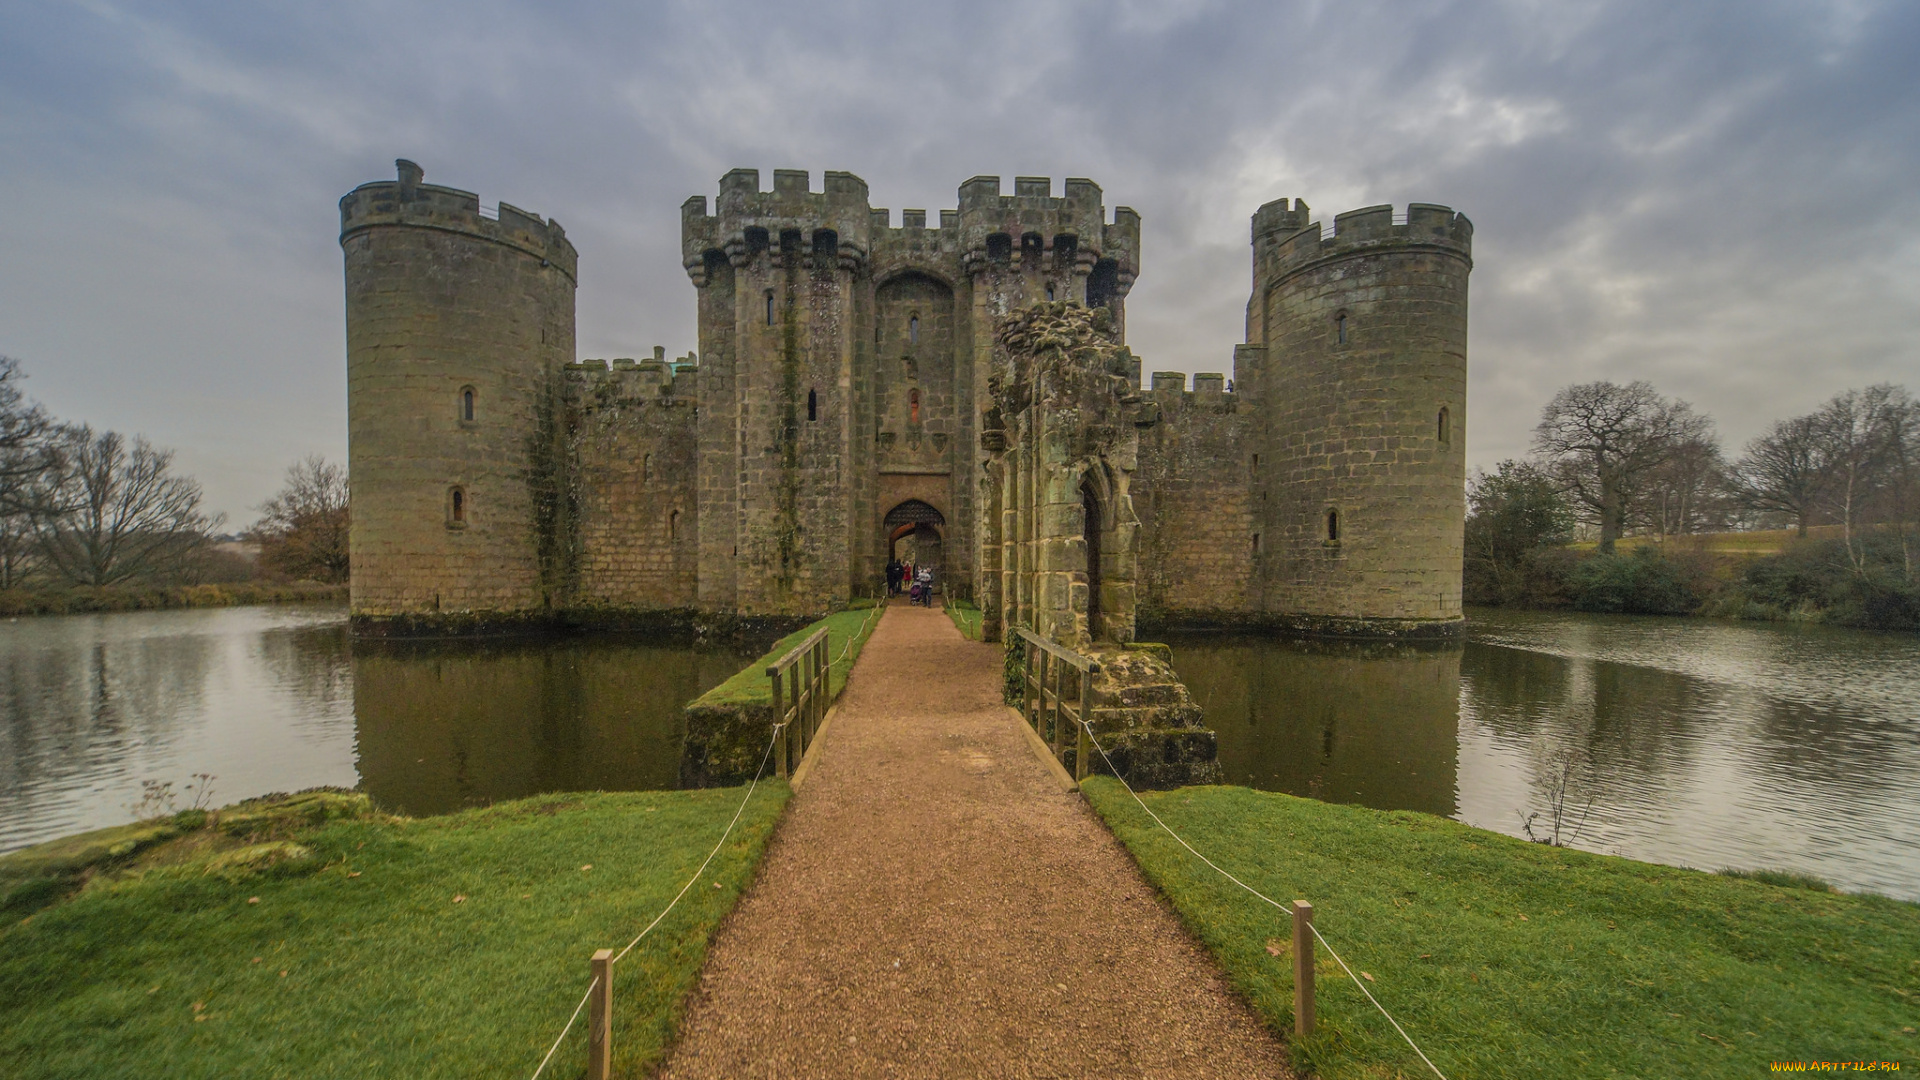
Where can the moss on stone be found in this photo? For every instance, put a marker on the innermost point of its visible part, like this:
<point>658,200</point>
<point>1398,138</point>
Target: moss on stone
<point>730,726</point>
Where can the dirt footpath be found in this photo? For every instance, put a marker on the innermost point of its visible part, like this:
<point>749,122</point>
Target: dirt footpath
<point>934,906</point>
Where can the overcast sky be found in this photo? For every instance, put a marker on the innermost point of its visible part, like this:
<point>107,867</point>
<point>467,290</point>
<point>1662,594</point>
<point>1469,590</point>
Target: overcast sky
<point>1721,198</point>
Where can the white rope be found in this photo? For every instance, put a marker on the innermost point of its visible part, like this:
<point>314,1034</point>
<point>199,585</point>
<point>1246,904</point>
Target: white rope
<point>778,731</point>
<point>564,1030</point>
<point>1223,873</point>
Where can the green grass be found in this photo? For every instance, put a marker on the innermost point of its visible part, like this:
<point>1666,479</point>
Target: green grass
<point>1751,542</point>
<point>1509,959</point>
<point>847,633</point>
<point>966,617</point>
<point>357,961</point>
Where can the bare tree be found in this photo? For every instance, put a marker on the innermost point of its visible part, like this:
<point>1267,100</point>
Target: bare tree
<point>303,530</point>
<point>1603,439</point>
<point>27,453</point>
<point>17,541</point>
<point>1860,435</point>
<point>115,513</point>
<point>1686,493</point>
<point>1783,470</point>
<point>1898,423</point>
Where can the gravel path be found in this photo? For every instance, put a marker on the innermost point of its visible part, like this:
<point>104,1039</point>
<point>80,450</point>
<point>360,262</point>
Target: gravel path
<point>934,906</point>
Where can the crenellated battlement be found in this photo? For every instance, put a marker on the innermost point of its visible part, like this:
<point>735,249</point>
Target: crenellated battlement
<point>792,219</point>
<point>914,246</point>
<point>1069,231</point>
<point>1286,239</point>
<point>1210,388</point>
<point>408,202</point>
<point>627,379</point>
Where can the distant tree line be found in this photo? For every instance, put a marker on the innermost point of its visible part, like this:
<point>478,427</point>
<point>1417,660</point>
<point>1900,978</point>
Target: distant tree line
<point>1612,461</point>
<point>81,508</point>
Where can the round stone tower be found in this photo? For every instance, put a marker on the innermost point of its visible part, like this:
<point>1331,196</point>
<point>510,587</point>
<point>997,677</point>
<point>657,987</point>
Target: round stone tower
<point>458,324</point>
<point>1360,482</point>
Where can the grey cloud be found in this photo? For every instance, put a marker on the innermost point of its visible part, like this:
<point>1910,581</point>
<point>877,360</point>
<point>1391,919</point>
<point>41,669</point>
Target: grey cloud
<point>1712,196</point>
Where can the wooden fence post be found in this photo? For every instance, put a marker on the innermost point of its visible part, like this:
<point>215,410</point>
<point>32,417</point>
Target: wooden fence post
<point>793,729</point>
<point>1083,752</point>
<point>823,673</point>
<point>1302,968</point>
<point>600,1018</point>
<point>779,713</point>
<point>1053,668</point>
<point>1027,683</point>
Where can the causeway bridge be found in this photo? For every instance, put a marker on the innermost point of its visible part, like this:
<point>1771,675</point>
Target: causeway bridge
<point>939,902</point>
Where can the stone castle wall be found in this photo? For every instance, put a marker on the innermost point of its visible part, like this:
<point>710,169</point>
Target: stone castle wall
<point>846,366</point>
<point>1197,561</point>
<point>1362,380</point>
<point>634,465</point>
<point>452,513</point>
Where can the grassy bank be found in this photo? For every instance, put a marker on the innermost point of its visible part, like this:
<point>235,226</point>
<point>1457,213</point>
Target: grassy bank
<point>1772,576</point>
<point>966,618</point>
<point>847,633</point>
<point>1508,959</point>
<point>377,946</point>
<point>16,602</point>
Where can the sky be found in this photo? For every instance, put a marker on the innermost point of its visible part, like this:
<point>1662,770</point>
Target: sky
<point>1721,198</point>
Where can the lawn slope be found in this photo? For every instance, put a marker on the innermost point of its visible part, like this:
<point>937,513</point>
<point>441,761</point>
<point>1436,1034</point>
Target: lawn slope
<point>377,946</point>
<point>1509,959</point>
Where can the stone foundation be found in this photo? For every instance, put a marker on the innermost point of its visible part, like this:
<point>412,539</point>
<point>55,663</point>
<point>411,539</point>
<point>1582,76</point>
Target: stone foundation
<point>1152,730</point>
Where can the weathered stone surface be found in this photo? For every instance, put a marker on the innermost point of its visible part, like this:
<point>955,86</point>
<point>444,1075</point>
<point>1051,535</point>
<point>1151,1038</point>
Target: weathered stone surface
<point>846,367</point>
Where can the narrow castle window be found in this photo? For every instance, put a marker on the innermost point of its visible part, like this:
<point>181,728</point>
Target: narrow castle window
<point>1256,543</point>
<point>646,467</point>
<point>1103,284</point>
<point>913,330</point>
<point>466,405</point>
<point>1256,461</point>
<point>813,405</point>
<point>1340,328</point>
<point>1049,292</point>
<point>1333,526</point>
<point>457,507</point>
<point>1445,426</point>
<point>913,406</point>
<point>673,525</point>
<point>769,307</point>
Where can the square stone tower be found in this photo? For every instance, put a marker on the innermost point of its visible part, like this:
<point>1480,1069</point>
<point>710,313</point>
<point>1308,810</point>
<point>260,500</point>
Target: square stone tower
<point>843,360</point>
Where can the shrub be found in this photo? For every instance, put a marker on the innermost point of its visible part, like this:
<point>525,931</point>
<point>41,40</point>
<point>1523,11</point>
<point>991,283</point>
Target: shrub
<point>1818,580</point>
<point>1642,583</point>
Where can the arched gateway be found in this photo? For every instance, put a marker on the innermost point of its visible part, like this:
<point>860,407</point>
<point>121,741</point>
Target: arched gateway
<point>915,533</point>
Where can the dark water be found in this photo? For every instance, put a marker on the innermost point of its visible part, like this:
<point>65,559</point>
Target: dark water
<point>1685,741</point>
<point>1694,742</point>
<point>281,698</point>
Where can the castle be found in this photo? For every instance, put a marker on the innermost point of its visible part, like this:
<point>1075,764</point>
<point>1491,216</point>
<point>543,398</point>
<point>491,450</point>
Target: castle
<point>840,408</point>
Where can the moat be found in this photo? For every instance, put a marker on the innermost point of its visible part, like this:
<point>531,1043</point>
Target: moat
<point>1695,742</point>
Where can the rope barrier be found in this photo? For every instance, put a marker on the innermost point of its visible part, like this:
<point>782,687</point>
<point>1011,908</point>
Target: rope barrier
<point>564,1030</point>
<point>1088,725</point>
<point>778,730</point>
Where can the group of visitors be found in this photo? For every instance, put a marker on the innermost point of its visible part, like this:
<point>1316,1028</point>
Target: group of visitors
<point>915,581</point>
